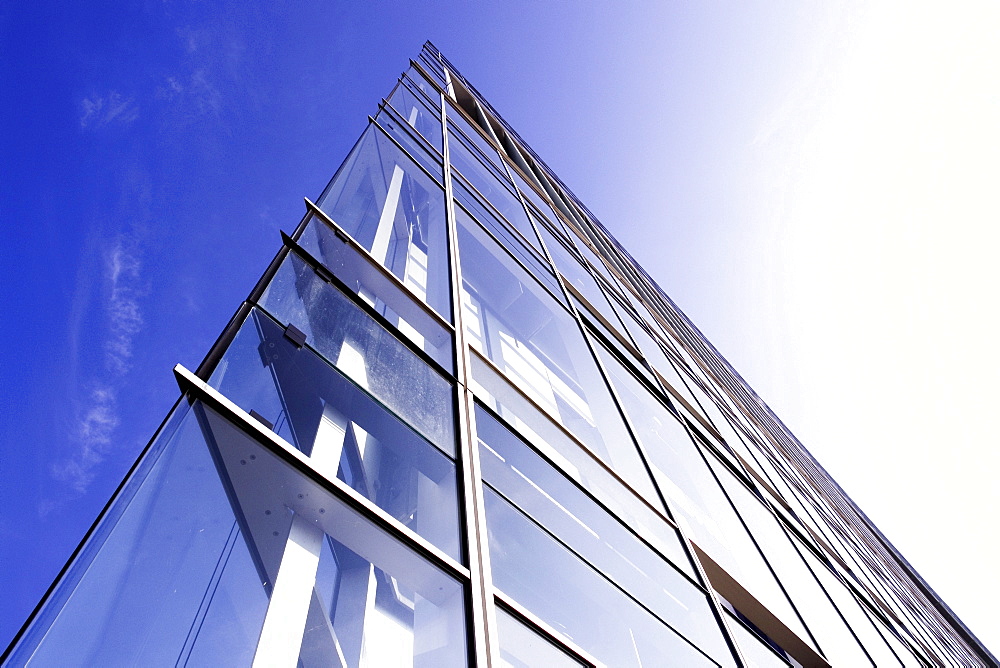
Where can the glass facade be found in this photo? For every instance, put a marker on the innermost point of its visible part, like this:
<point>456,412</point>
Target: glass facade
<point>456,424</point>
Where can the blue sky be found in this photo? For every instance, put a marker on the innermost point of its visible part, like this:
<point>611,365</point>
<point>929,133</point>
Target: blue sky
<point>808,181</point>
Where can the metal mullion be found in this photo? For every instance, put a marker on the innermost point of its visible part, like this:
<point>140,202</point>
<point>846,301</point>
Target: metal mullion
<point>378,266</point>
<point>484,645</point>
<point>198,390</point>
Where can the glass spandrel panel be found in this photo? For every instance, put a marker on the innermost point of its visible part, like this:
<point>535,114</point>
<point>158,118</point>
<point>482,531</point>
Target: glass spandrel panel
<point>393,209</point>
<point>521,647</point>
<point>564,454</point>
<point>513,243</point>
<point>537,490</point>
<point>832,635</point>
<point>532,196</point>
<point>168,577</point>
<point>511,320</point>
<point>370,600</point>
<point>393,302</point>
<point>570,596</point>
<point>693,495</point>
<point>367,353</point>
<point>418,115</point>
<point>344,431</point>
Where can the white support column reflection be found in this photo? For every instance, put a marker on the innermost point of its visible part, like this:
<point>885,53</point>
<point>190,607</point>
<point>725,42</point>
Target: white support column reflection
<point>281,636</point>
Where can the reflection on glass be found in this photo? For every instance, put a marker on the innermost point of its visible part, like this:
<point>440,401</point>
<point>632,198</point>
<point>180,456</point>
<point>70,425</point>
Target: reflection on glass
<point>394,303</point>
<point>415,112</point>
<point>513,243</point>
<point>168,578</point>
<point>346,433</point>
<point>493,191</point>
<point>343,592</point>
<point>694,496</point>
<point>521,647</point>
<point>526,481</point>
<point>570,596</point>
<point>537,343</point>
<point>396,212</point>
<point>574,462</point>
<point>472,135</point>
<point>363,350</point>
<point>834,638</point>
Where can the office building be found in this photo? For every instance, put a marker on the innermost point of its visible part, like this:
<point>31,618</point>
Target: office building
<point>455,423</point>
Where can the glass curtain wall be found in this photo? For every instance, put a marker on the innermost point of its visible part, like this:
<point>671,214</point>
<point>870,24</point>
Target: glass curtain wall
<point>455,424</point>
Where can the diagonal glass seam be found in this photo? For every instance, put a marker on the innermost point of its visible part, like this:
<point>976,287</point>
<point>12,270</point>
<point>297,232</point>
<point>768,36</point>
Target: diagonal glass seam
<point>197,389</point>
<point>550,634</point>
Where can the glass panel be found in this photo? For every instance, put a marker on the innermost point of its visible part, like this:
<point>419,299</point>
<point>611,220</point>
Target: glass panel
<point>537,343</point>
<point>512,242</point>
<point>371,601</point>
<point>396,212</point>
<point>493,192</point>
<point>832,635</point>
<point>167,578</point>
<point>537,490</point>
<point>532,196</point>
<point>521,647</point>
<point>361,276</point>
<point>363,350</point>
<point>849,607</point>
<point>421,118</point>
<point>418,81</point>
<point>572,597</point>
<point>574,461</point>
<point>474,136</point>
<point>346,433</point>
<point>694,496</point>
<point>541,491</point>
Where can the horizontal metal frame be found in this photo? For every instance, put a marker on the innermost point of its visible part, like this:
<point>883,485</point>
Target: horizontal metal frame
<point>329,277</point>
<point>378,266</point>
<point>196,389</point>
<point>529,619</point>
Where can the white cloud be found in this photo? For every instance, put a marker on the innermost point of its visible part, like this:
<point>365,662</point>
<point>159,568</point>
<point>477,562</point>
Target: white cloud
<point>97,111</point>
<point>93,436</point>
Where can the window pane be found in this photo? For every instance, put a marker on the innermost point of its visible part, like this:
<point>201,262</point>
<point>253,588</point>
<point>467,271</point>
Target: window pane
<point>346,433</point>
<point>694,496</point>
<point>756,652</point>
<point>396,212</point>
<point>538,344</point>
<point>549,499</point>
<point>521,647</point>
<point>569,595</point>
<point>167,578</point>
<point>395,304</point>
<point>363,350</point>
<point>575,463</point>
<point>358,583</point>
<point>414,111</point>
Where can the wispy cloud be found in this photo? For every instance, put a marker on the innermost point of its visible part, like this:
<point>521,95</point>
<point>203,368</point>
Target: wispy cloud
<point>93,437</point>
<point>97,414</point>
<point>123,308</point>
<point>97,111</point>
